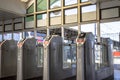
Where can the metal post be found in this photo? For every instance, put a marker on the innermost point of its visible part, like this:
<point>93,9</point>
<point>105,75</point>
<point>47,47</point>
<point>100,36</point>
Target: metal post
<point>119,41</point>
<point>2,30</point>
<point>62,33</point>
<point>12,28</point>
<point>48,32</point>
<point>46,64</point>
<point>35,20</point>
<point>20,62</point>
<point>23,26</point>
<point>80,63</point>
<point>98,19</point>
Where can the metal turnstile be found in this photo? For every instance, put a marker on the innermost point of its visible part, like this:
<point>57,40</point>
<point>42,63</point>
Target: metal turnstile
<point>85,56</point>
<point>53,60</point>
<point>28,60</point>
<point>52,48</point>
<point>8,60</point>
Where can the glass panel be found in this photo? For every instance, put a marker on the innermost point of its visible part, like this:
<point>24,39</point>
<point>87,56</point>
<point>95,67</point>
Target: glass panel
<point>29,34</point>
<point>30,9</point>
<point>55,18</point>
<point>71,15</point>
<point>41,5</point>
<point>70,2</point>
<point>101,56</point>
<point>89,28</point>
<point>40,50</point>
<point>1,38</point>
<point>40,56</point>
<point>41,20</point>
<point>88,12</point>
<point>29,22</point>
<point>84,0</point>
<point>7,36</point>
<point>55,3</point>
<point>66,57</point>
<point>17,36</point>
<point>73,51</point>
<point>29,18</point>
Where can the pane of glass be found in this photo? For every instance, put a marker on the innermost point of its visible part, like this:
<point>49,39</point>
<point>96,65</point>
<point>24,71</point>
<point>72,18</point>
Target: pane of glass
<point>55,3</point>
<point>70,2</point>
<point>29,18</point>
<point>41,20</point>
<point>40,56</point>
<point>29,22</point>
<point>7,36</point>
<point>84,0</point>
<point>1,38</point>
<point>111,30</point>
<point>55,18</point>
<point>101,55</point>
<point>29,34</point>
<point>73,50</point>
<point>89,28</point>
<point>66,57</point>
<point>41,5</point>
<point>40,50</point>
<point>17,36</point>
<point>30,9</point>
<point>71,15</point>
<point>97,56</point>
<point>88,13</point>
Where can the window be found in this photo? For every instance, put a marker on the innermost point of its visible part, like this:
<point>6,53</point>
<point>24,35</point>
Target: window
<point>70,2</point>
<point>30,9</point>
<point>71,15</point>
<point>17,36</point>
<point>40,52</point>
<point>66,57</point>
<point>88,12</point>
<point>55,18</point>
<point>7,36</point>
<point>89,28</point>
<point>29,18</point>
<point>29,22</point>
<point>55,3</point>
<point>41,20</point>
<point>41,5</point>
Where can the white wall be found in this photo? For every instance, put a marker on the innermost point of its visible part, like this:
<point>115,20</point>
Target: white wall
<point>15,6</point>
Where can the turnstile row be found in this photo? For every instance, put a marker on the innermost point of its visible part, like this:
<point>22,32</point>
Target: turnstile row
<point>26,59</point>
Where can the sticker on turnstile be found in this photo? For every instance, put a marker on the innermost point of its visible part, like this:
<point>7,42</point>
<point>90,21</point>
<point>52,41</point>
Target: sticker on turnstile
<point>20,44</point>
<point>46,43</point>
<point>80,41</point>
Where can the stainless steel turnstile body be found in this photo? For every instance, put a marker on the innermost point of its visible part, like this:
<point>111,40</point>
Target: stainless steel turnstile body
<point>85,57</point>
<point>8,60</point>
<point>53,60</point>
<point>28,60</point>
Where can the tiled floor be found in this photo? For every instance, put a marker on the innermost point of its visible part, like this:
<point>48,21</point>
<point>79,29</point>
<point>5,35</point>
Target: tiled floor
<point>116,74</point>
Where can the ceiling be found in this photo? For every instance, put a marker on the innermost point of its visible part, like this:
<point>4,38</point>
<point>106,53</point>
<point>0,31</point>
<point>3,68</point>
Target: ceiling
<point>4,15</point>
